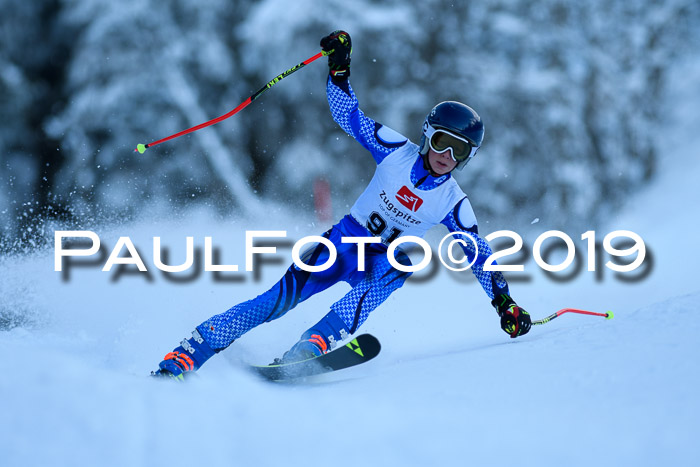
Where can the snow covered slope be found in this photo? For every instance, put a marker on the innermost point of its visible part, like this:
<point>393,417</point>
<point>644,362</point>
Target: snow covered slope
<point>578,391</point>
<point>448,387</point>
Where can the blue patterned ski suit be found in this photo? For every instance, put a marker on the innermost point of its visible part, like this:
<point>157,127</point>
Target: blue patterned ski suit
<point>373,286</point>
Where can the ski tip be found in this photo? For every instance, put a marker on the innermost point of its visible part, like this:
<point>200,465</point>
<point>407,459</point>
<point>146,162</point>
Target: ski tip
<point>609,314</point>
<point>140,148</point>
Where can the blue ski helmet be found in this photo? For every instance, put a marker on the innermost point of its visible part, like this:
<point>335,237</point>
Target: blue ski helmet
<point>458,120</point>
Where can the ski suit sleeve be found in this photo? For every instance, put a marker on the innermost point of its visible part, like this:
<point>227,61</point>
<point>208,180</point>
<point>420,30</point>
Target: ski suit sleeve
<point>462,219</point>
<point>378,139</point>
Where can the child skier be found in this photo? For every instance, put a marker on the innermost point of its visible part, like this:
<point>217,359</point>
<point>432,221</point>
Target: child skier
<point>411,191</point>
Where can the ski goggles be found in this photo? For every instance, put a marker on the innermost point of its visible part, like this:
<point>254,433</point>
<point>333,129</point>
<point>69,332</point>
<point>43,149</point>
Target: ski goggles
<point>461,150</point>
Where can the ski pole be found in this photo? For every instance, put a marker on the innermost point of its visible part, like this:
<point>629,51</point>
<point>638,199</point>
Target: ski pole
<point>606,315</point>
<point>141,148</point>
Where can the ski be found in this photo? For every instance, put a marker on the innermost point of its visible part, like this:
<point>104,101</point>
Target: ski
<point>360,350</point>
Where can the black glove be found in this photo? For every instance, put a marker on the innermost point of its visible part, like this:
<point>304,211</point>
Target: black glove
<point>515,321</point>
<point>339,48</point>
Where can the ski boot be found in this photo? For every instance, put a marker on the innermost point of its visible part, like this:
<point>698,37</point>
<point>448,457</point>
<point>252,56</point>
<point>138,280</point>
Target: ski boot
<point>319,340</point>
<point>185,358</point>
<point>311,345</point>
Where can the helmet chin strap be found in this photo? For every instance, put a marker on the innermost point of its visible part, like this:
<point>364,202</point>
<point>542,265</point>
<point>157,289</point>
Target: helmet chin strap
<point>426,166</point>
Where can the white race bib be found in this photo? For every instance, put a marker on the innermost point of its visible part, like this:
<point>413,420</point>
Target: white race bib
<point>391,206</point>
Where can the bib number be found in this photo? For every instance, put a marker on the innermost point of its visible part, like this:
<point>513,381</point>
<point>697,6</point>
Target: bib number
<point>377,225</point>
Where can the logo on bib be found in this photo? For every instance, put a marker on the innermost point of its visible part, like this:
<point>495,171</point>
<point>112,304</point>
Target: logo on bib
<point>408,199</point>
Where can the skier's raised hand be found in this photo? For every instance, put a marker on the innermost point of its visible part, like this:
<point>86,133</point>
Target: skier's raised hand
<point>515,321</point>
<point>339,45</point>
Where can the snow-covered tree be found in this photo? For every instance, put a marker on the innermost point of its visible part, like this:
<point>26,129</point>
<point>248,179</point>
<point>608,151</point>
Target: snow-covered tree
<point>572,95</point>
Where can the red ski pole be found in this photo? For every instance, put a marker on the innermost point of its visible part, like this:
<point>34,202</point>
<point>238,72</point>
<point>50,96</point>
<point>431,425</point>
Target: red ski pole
<point>141,148</point>
<point>606,315</point>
